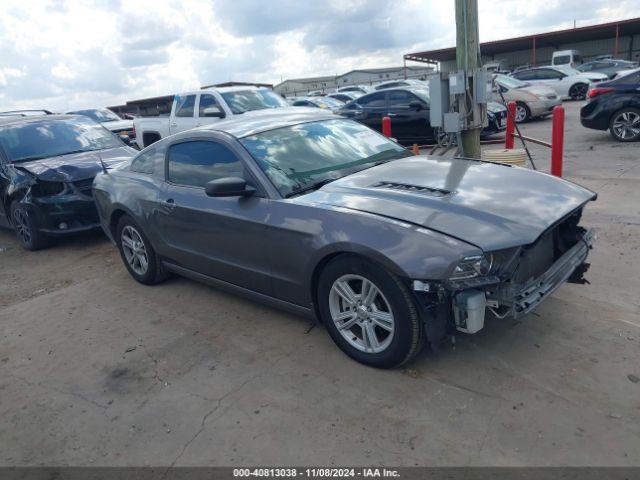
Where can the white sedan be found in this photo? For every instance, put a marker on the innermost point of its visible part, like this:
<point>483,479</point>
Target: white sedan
<point>568,83</point>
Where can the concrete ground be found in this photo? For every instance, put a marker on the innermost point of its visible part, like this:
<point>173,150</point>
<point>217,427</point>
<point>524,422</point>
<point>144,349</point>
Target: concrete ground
<point>96,369</point>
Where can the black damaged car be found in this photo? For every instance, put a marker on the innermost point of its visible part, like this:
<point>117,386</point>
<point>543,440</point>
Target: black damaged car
<point>47,167</point>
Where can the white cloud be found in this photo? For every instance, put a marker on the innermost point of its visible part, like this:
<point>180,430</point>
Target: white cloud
<point>59,54</point>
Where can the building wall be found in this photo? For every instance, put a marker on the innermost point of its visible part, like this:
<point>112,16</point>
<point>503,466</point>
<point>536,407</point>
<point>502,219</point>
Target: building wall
<point>301,87</point>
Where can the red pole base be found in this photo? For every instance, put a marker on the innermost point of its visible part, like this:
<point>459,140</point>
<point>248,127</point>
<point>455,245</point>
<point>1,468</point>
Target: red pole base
<point>386,126</point>
<point>509,140</point>
<point>557,140</point>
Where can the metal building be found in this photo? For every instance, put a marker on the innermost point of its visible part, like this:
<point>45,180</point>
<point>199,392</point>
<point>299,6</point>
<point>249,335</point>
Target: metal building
<point>619,39</point>
<point>362,76</point>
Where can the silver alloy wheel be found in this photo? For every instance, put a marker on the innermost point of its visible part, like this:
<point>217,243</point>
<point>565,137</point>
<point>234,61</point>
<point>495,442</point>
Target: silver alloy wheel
<point>21,224</point>
<point>134,250</point>
<point>627,125</point>
<point>521,113</point>
<point>361,313</point>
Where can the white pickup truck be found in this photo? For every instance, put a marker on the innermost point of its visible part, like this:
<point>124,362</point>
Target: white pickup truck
<point>203,107</point>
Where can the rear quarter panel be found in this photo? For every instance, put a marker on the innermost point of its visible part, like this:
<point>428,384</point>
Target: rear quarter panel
<point>135,194</point>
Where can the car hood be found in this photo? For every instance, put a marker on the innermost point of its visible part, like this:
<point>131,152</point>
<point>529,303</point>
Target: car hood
<point>488,205</point>
<point>77,166</point>
<point>118,125</point>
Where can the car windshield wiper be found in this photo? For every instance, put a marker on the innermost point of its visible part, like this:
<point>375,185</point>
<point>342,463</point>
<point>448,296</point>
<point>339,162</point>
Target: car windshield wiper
<point>312,186</point>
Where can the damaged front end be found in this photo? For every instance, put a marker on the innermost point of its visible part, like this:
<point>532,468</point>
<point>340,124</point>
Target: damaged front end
<point>510,282</point>
<point>61,206</point>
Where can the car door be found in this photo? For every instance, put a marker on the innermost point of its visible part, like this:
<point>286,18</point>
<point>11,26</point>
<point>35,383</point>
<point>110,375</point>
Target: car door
<point>183,117</point>
<point>221,237</point>
<point>209,110</point>
<point>371,109</point>
<point>409,123</point>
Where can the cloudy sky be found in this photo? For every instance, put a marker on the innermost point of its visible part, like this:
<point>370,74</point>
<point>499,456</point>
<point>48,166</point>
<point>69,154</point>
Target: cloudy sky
<point>60,54</point>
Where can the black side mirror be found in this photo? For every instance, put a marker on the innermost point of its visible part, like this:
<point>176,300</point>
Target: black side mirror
<point>229,187</point>
<point>125,138</point>
<point>415,105</point>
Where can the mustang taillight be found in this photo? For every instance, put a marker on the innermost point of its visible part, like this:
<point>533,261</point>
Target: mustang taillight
<point>594,92</point>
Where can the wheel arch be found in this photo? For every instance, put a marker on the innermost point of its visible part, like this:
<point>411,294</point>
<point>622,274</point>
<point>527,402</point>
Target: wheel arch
<point>354,251</point>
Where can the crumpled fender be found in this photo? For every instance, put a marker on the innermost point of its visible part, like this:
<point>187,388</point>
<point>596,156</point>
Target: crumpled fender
<point>19,181</point>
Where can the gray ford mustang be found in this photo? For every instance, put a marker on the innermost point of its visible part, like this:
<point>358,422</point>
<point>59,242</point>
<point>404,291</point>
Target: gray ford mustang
<point>322,216</point>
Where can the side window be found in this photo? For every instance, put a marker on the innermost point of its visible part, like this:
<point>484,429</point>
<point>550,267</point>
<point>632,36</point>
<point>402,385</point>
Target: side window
<point>399,98</point>
<point>524,75</point>
<point>185,105</point>
<point>548,74</point>
<point>198,162</point>
<point>143,163</point>
<point>208,106</point>
<point>373,100</point>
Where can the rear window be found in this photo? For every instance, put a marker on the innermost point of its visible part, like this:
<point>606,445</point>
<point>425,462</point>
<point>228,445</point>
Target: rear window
<point>53,137</point>
<point>246,100</point>
<point>561,60</point>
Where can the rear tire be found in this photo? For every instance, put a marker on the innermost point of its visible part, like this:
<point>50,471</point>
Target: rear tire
<point>625,125</point>
<point>369,312</point>
<point>578,91</point>
<point>137,254</point>
<point>523,113</point>
<point>26,227</point>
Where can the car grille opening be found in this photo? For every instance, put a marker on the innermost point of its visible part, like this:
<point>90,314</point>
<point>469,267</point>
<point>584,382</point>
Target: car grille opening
<point>538,257</point>
<point>84,185</point>
<point>403,187</point>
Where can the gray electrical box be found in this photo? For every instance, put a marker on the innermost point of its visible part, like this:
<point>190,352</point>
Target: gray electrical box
<point>438,100</point>
<point>452,122</point>
<point>457,84</point>
<point>481,86</point>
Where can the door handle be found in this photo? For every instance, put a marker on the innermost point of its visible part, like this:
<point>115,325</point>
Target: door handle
<point>392,115</point>
<point>174,124</point>
<point>169,204</point>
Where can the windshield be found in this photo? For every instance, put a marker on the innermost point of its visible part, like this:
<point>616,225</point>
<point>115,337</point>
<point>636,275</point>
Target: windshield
<point>561,60</point>
<point>510,82</point>
<point>101,115</point>
<point>49,138</point>
<point>245,100</point>
<point>296,158</point>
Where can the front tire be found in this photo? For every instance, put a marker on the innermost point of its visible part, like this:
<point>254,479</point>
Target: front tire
<point>625,125</point>
<point>26,227</point>
<point>578,91</point>
<point>369,312</point>
<point>137,254</point>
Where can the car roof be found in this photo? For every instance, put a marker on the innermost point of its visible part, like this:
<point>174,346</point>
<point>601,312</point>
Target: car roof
<point>9,120</point>
<point>264,120</point>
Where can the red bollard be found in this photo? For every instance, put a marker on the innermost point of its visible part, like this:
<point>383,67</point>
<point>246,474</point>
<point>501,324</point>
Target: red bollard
<point>509,140</point>
<point>386,126</point>
<point>557,140</point>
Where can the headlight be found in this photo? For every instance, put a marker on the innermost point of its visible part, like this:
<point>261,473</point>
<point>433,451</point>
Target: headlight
<point>46,189</point>
<point>473,266</point>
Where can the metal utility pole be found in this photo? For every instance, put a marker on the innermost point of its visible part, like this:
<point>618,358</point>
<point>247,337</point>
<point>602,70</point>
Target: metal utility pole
<point>467,53</point>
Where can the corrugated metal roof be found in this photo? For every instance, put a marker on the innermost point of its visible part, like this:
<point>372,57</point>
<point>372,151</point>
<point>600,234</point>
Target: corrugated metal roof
<point>547,39</point>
